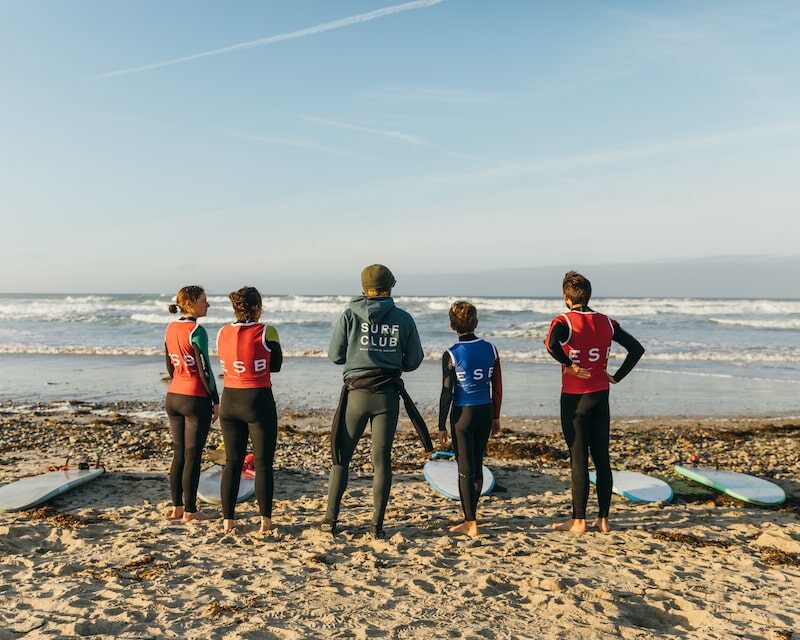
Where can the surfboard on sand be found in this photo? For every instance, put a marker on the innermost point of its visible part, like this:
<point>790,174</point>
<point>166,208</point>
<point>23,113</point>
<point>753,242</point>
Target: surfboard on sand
<point>441,472</point>
<point>737,485</point>
<point>637,487</point>
<point>35,490</point>
<point>210,480</point>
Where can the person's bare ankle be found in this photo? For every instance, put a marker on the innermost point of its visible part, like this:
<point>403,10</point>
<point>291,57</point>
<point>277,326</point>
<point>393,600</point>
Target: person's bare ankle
<point>175,513</point>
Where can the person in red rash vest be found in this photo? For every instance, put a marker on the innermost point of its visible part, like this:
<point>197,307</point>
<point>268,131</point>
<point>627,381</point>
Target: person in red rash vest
<point>580,340</point>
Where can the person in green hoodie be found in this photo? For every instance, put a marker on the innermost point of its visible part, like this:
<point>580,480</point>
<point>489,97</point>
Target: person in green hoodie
<point>376,342</point>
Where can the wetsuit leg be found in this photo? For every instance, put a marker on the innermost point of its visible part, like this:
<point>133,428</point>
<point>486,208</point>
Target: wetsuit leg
<point>600,424</point>
<point>195,434</point>
<point>264,434</point>
<point>472,429</point>
<point>574,424</point>
<point>177,423</point>
<point>384,409</point>
<point>234,436</point>
<point>355,421</point>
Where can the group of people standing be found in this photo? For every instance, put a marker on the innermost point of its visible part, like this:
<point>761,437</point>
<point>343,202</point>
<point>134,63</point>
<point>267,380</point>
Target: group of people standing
<point>377,342</point>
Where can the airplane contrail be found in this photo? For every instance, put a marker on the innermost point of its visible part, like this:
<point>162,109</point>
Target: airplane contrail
<point>301,33</point>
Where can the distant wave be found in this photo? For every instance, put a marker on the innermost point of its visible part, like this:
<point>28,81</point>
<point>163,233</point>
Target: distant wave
<point>537,330</point>
<point>164,319</point>
<point>537,356</point>
<point>43,349</point>
<point>787,324</point>
<point>153,309</point>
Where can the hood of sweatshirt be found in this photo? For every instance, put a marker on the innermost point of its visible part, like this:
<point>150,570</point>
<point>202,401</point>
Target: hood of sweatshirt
<point>371,309</point>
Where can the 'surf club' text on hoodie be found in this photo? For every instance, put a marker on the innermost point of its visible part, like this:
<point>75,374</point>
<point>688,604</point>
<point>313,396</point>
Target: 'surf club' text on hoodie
<point>374,334</point>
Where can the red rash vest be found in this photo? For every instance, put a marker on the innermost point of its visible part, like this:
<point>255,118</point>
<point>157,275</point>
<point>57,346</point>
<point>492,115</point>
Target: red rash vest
<point>186,377</point>
<point>588,345</point>
<point>244,355</point>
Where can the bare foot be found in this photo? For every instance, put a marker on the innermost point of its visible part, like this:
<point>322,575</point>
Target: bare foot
<point>602,524</point>
<point>175,513</point>
<point>575,526</point>
<point>227,525</point>
<point>190,516</point>
<point>468,528</point>
<point>266,525</point>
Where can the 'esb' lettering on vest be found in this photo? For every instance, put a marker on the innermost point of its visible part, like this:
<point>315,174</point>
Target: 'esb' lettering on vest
<point>379,335</point>
<point>594,355</point>
<point>239,366</point>
<point>187,360</point>
<point>477,374</point>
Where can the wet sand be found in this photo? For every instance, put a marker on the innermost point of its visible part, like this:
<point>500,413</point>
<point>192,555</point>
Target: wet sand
<point>101,561</point>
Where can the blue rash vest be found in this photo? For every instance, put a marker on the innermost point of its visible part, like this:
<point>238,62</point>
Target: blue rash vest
<point>473,361</point>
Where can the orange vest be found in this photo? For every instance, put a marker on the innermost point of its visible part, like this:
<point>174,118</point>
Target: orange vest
<point>185,376</point>
<point>244,355</point>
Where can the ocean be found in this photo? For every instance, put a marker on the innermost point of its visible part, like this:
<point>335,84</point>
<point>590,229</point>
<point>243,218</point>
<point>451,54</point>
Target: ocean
<point>704,356</point>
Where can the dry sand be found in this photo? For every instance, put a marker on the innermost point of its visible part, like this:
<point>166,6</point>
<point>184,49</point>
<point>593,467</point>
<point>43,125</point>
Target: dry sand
<point>102,562</point>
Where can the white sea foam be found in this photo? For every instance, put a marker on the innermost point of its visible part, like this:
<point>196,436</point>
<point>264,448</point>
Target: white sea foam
<point>90,308</point>
<point>788,323</point>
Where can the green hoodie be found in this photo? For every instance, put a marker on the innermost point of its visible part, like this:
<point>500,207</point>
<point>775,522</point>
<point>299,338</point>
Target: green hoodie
<point>374,334</point>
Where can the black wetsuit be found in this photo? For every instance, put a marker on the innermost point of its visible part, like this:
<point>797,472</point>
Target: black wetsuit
<point>250,412</point>
<point>586,423</point>
<point>189,423</point>
<point>470,428</point>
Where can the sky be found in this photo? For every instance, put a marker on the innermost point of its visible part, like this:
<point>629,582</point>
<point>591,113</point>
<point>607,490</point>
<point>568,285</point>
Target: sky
<point>146,145</point>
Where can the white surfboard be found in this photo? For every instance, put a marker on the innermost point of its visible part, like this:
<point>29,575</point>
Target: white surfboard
<point>210,482</point>
<point>637,487</point>
<point>737,485</point>
<point>441,472</point>
<point>33,491</point>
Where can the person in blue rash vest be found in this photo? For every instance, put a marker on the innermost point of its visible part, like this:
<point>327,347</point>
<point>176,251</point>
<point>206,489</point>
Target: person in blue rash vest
<point>472,384</point>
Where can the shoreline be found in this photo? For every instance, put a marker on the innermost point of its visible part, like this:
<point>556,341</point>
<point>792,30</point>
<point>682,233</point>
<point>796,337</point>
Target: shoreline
<point>100,561</point>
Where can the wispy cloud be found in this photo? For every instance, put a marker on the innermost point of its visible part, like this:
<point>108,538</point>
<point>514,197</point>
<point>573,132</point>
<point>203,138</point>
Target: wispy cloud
<point>282,37</point>
<point>398,136</point>
<point>386,133</point>
<point>429,95</point>
<point>298,143</point>
<point>677,146</point>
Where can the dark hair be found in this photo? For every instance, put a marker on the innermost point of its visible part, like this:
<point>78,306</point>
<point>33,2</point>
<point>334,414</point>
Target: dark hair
<point>246,304</point>
<point>577,288</point>
<point>186,297</point>
<point>463,317</point>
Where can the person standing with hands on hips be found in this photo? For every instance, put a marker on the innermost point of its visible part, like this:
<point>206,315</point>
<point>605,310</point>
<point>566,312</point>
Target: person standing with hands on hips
<point>580,340</point>
<point>473,385</point>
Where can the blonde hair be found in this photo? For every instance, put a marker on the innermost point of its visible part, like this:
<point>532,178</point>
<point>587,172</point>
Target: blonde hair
<point>186,297</point>
<point>463,317</point>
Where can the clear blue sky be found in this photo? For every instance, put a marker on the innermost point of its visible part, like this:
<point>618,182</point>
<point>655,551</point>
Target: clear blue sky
<point>449,136</point>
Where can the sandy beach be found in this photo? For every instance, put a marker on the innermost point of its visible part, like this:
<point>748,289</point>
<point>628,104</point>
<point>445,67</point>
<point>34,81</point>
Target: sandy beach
<point>102,562</point>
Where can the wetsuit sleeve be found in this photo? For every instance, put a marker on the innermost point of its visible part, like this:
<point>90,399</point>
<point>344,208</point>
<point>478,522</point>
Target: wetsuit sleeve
<point>632,345</point>
<point>200,348</point>
<point>412,352</point>
<point>497,388</point>
<point>337,350</point>
<point>170,366</point>
<point>448,384</point>
<point>274,345</point>
<point>559,332</point>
